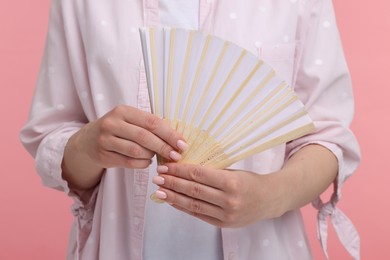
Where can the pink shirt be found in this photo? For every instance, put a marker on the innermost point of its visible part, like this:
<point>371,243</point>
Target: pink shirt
<point>93,62</point>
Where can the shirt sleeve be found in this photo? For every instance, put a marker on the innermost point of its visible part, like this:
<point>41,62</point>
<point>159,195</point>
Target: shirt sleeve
<point>56,112</point>
<point>323,83</point>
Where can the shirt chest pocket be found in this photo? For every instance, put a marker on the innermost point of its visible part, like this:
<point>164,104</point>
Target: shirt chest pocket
<point>281,58</point>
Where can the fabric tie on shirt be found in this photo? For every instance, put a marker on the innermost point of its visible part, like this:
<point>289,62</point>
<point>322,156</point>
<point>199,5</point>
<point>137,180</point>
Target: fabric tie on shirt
<point>343,226</point>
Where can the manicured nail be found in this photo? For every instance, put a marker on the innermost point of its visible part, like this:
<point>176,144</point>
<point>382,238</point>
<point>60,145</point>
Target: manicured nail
<point>175,156</point>
<point>183,146</point>
<point>162,169</point>
<point>160,194</point>
<point>158,180</point>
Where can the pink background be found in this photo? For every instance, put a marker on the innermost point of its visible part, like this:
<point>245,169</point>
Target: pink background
<point>34,221</point>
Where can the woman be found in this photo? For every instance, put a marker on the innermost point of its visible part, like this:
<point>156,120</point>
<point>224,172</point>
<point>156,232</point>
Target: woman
<point>93,137</point>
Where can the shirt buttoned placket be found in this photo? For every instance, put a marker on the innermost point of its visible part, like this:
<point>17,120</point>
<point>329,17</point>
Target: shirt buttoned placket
<point>141,176</point>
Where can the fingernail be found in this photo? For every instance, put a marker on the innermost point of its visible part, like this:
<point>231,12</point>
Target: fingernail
<point>158,180</point>
<point>183,146</point>
<point>160,194</point>
<point>162,169</point>
<point>175,156</point>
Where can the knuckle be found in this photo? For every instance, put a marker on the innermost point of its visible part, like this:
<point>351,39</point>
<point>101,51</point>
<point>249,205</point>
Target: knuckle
<point>172,184</point>
<point>135,151</point>
<point>118,110</point>
<point>106,125</point>
<point>195,206</point>
<point>196,173</point>
<point>173,200</point>
<point>232,184</point>
<point>195,191</point>
<point>141,135</point>
<point>232,204</point>
<point>152,122</point>
<point>129,163</point>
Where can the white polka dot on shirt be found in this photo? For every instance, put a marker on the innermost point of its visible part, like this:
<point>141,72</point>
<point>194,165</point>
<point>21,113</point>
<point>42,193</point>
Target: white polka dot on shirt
<point>326,24</point>
<point>110,60</point>
<point>103,22</point>
<point>258,44</point>
<point>99,97</point>
<point>233,15</point>
<point>265,242</point>
<point>319,62</point>
<point>293,1</point>
<point>84,94</point>
<point>133,29</point>
<point>344,95</point>
<point>300,243</point>
<point>286,38</point>
<point>262,9</point>
<point>60,107</point>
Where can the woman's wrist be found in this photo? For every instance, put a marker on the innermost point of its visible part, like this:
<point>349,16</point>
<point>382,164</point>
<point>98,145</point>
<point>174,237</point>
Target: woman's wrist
<point>77,167</point>
<point>307,174</point>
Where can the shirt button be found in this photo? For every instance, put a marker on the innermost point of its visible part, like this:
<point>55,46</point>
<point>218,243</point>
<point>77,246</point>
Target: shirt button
<point>231,255</point>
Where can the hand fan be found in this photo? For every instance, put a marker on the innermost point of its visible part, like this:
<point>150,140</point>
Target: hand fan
<point>226,103</point>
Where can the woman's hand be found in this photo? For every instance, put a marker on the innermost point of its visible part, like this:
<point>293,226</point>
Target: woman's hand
<point>222,198</point>
<point>125,137</point>
<point>237,198</point>
<point>128,137</point>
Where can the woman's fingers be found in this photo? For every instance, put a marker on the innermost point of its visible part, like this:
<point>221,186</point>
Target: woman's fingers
<point>128,148</point>
<point>144,139</point>
<point>221,197</point>
<point>191,189</point>
<point>114,159</point>
<point>218,179</point>
<point>191,205</point>
<point>155,125</point>
<point>126,134</point>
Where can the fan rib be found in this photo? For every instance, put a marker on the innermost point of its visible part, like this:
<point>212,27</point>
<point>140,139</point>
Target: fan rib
<point>196,79</point>
<point>235,95</point>
<point>256,112</point>
<point>259,119</point>
<point>244,104</point>
<point>250,127</point>
<point>189,135</point>
<point>170,71</point>
<point>154,71</point>
<point>240,151</point>
<point>293,134</point>
<point>183,76</point>
<point>222,88</point>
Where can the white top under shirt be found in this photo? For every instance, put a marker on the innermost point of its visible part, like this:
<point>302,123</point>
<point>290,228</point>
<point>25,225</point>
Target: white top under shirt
<point>179,13</point>
<point>163,241</point>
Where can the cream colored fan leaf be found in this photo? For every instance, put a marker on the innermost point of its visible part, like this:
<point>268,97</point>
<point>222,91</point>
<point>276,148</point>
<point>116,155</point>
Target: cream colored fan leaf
<point>226,103</point>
